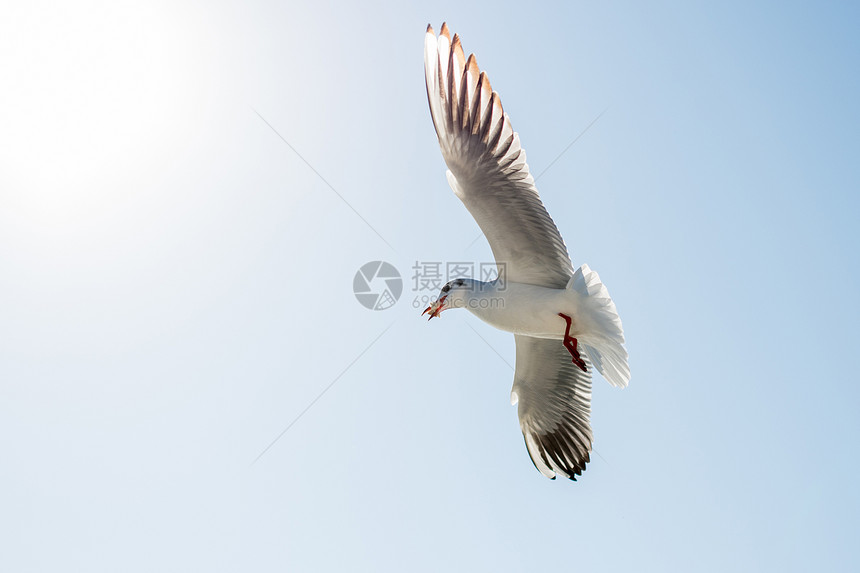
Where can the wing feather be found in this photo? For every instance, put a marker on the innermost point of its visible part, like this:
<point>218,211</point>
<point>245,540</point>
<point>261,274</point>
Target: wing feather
<point>554,406</point>
<point>488,166</point>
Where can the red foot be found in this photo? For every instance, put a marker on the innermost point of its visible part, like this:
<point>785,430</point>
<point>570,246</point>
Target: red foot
<point>570,343</point>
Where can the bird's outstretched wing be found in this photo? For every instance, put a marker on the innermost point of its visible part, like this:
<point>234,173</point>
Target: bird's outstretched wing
<point>554,398</point>
<point>487,166</point>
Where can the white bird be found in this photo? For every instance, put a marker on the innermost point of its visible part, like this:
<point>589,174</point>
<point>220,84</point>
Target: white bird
<point>563,321</point>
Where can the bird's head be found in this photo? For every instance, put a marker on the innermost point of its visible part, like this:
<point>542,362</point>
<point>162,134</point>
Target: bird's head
<point>452,295</point>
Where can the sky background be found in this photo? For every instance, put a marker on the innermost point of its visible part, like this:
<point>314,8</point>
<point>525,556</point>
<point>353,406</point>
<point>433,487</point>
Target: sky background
<point>176,288</point>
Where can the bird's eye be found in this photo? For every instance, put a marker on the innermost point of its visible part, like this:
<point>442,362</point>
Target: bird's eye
<point>446,288</point>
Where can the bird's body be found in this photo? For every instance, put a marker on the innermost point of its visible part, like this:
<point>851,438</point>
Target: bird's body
<point>563,320</point>
<point>529,310</point>
<point>525,309</point>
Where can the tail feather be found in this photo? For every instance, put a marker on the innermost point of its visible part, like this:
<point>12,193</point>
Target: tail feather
<point>604,343</point>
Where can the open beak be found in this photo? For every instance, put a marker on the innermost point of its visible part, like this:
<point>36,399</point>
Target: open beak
<point>436,308</point>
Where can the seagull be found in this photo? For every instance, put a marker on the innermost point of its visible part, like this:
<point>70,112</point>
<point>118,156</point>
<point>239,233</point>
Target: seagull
<point>563,320</point>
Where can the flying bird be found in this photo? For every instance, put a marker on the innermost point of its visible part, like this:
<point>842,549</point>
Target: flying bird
<point>563,320</point>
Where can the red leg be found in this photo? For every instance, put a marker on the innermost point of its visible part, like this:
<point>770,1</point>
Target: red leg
<point>571,343</point>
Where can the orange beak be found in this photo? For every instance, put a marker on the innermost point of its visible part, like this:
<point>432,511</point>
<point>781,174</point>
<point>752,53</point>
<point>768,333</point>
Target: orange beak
<point>436,308</point>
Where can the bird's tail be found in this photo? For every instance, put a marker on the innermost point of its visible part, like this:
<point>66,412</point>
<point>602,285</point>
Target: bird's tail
<point>604,341</point>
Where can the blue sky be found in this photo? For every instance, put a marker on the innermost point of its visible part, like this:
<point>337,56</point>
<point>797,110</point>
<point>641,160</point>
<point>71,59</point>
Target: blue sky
<point>177,288</point>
